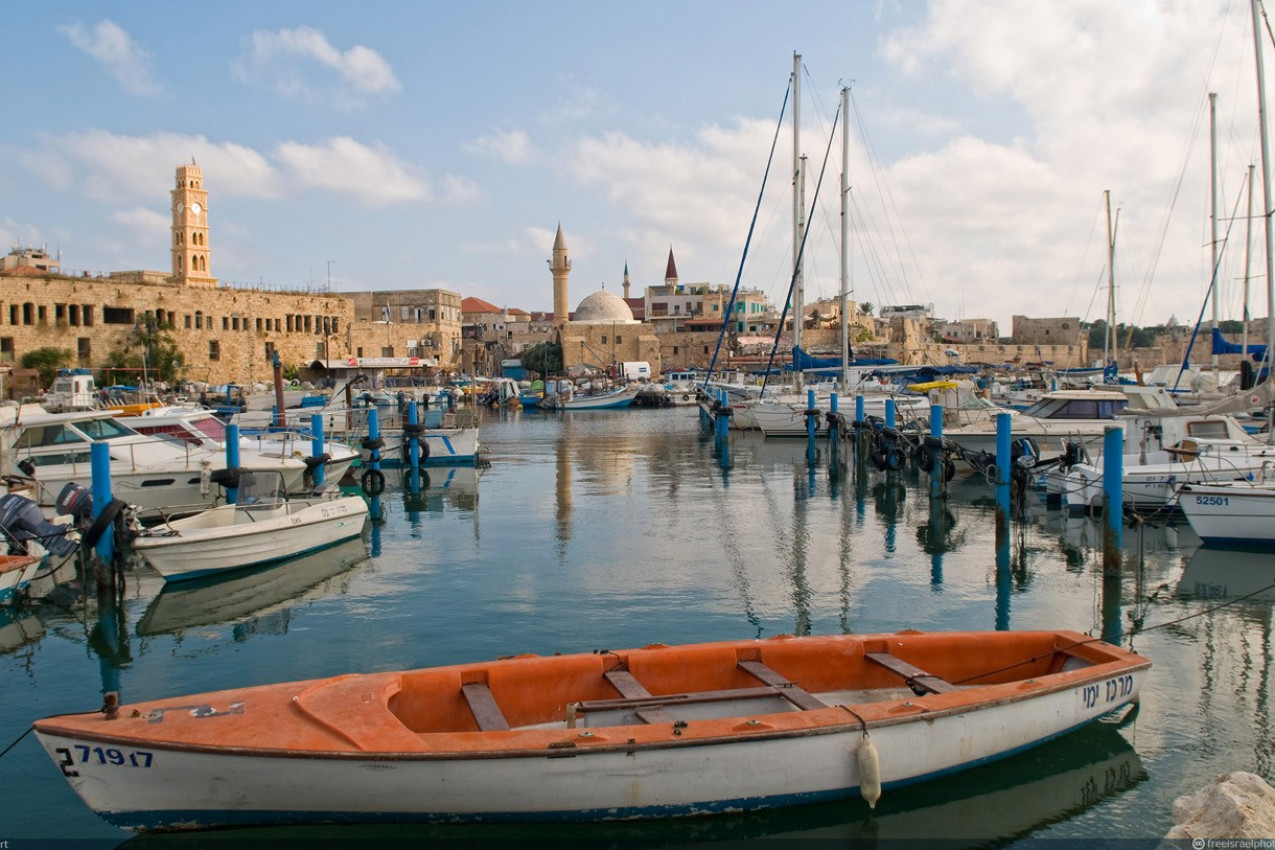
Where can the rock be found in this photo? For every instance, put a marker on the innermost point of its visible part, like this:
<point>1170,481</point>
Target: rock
<point>1236,805</point>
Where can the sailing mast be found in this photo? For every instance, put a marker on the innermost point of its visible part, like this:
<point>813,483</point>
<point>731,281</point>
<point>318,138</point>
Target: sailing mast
<point>1110,341</point>
<point>1266,203</point>
<point>1248,255</point>
<point>845,239</point>
<point>798,203</point>
<point>1213,210</point>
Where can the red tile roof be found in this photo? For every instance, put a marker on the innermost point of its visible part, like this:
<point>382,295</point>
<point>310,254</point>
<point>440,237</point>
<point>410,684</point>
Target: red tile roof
<point>478,305</point>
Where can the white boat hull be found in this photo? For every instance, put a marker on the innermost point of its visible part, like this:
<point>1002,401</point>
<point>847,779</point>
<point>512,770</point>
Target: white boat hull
<point>447,446</point>
<point>15,578</point>
<point>227,542</point>
<point>1231,514</point>
<point>150,789</point>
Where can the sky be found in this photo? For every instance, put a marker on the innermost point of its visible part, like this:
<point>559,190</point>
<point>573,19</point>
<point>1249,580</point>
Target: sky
<point>430,145</point>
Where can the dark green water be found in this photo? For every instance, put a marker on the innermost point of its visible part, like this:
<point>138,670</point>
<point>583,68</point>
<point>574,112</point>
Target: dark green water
<point>619,529</point>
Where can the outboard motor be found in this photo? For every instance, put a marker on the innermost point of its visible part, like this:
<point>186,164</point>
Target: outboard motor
<point>75,501</point>
<point>21,521</point>
<point>1024,452</point>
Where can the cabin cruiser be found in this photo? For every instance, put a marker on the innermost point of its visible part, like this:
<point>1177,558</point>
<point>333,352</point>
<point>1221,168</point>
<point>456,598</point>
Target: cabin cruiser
<point>160,476</point>
<point>289,452</point>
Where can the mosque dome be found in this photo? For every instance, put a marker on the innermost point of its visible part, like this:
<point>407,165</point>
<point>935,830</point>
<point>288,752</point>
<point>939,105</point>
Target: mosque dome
<point>603,307</point>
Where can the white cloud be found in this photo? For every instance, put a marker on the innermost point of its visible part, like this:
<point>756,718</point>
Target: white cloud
<point>512,147</point>
<point>286,61</point>
<point>115,51</point>
<point>146,224</point>
<point>343,166</point>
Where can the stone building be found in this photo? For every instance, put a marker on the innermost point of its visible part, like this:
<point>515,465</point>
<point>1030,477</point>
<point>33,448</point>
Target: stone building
<point>225,334</point>
<point>1064,331</point>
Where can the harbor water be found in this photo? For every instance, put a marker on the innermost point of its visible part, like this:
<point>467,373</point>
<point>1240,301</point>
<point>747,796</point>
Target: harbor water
<point>610,530</point>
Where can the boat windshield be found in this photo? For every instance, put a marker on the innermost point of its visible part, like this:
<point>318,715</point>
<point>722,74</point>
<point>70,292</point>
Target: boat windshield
<point>1076,408</point>
<point>105,428</point>
<point>261,488</point>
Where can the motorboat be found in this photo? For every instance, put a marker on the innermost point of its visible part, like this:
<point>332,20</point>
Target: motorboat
<point>262,526</point>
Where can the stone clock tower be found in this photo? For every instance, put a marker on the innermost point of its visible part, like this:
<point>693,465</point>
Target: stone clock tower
<point>190,229</point>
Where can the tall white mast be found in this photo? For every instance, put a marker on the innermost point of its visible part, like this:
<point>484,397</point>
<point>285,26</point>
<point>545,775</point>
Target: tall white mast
<point>798,201</point>
<point>845,239</point>
<point>1248,255</point>
<point>1213,205</point>
<point>1110,341</point>
<point>1266,198</point>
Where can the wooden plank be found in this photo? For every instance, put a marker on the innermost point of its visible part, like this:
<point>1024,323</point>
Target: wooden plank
<point>679,699</point>
<point>630,688</point>
<point>483,705</point>
<point>788,690</point>
<point>916,678</point>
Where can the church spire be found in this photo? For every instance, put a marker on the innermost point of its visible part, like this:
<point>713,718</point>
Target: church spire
<point>670,273</point>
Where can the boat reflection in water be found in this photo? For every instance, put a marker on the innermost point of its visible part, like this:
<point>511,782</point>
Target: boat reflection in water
<point>258,601</point>
<point>1006,800</point>
<point>18,627</point>
<point>1228,574</point>
<point>438,487</point>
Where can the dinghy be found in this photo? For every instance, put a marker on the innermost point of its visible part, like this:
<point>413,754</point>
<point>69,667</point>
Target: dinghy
<point>653,732</point>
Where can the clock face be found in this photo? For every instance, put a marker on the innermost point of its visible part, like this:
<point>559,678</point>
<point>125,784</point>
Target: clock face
<point>196,208</point>
<point>180,207</point>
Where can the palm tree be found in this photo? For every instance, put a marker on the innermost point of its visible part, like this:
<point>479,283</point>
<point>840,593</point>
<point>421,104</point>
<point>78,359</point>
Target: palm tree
<point>867,307</point>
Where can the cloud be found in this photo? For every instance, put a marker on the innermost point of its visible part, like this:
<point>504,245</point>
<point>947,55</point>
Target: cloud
<point>144,222</point>
<point>286,61</point>
<point>344,166</point>
<point>512,147</point>
<point>115,51</point>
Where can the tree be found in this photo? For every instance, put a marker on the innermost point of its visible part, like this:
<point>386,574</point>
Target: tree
<point>47,361</point>
<point>150,347</point>
<point>867,307</point>
<point>544,357</point>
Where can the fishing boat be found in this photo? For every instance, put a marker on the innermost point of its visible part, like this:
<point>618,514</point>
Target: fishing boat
<point>262,527</point>
<point>654,732</point>
<point>1231,513</point>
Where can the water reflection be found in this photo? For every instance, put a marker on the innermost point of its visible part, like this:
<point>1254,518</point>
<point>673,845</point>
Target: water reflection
<point>1229,574</point>
<point>18,627</point>
<point>256,601</point>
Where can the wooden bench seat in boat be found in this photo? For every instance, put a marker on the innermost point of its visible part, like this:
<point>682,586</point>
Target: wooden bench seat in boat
<point>482,705</point>
<point>917,679</point>
<point>788,690</point>
<point>630,688</point>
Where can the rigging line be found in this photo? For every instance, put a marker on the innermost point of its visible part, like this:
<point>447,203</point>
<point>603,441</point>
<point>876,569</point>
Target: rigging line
<point>796,266</point>
<point>730,307</point>
<point>1084,258</point>
<point>1163,232</point>
<point>1186,356</point>
<point>885,193</point>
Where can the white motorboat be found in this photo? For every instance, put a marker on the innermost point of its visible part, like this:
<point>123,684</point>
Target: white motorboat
<point>264,526</point>
<point>1236,513</point>
<point>289,452</point>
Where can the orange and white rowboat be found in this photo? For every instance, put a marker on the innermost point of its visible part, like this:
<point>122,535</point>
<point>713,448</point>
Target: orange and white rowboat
<point>652,732</point>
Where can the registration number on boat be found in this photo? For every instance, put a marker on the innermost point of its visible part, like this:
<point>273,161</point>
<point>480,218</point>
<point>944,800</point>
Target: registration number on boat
<point>1108,691</point>
<point>84,754</point>
<point>1213,500</point>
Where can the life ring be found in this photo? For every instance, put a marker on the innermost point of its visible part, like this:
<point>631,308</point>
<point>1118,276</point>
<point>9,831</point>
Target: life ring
<point>686,396</point>
<point>104,521</point>
<point>373,481</point>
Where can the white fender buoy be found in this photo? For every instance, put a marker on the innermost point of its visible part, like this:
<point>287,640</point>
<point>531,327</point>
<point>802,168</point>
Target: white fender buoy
<point>869,772</point>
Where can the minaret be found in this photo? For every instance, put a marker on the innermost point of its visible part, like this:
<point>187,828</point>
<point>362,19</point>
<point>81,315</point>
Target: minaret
<point>626,280</point>
<point>560,267</point>
<point>670,273</point>
<point>190,229</point>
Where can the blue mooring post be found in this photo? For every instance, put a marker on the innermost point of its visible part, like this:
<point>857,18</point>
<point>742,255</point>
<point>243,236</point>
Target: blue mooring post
<point>100,469</point>
<point>860,438</point>
<point>1003,579</point>
<point>316,447</point>
<point>232,460</point>
<point>812,425</point>
<point>834,439</point>
<point>1113,531</point>
<point>936,470</point>
<point>414,449</point>
<point>374,434</point>
<point>889,413</point>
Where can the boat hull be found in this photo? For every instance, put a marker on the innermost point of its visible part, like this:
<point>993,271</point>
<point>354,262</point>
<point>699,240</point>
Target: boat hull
<point>16,572</point>
<point>717,760</point>
<point>1237,514</point>
<point>447,447</point>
